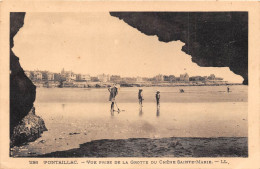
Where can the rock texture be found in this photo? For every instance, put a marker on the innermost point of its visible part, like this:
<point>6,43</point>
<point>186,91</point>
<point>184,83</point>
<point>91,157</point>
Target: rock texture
<point>213,39</point>
<point>22,90</point>
<point>163,147</point>
<point>29,129</point>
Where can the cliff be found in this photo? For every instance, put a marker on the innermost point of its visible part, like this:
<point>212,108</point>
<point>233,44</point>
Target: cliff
<point>22,90</point>
<point>213,39</point>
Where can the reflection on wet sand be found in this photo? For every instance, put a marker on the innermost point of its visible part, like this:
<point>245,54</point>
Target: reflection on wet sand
<point>63,106</point>
<point>140,111</point>
<point>112,113</point>
<point>158,111</point>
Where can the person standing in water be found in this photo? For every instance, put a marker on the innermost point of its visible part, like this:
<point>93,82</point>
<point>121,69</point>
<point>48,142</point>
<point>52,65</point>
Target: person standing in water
<point>113,92</point>
<point>140,97</point>
<point>157,96</point>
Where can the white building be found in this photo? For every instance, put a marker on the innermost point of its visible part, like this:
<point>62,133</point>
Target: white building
<point>86,77</point>
<point>184,77</point>
<point>159,78</point>
<point>103,78</point>
<point>139,79</point>
<point>37,75</point>
<point>71,76</point>
<point>50,76</point>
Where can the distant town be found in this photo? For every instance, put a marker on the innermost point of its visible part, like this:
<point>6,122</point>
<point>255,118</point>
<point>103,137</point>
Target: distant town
<point>71,79</point>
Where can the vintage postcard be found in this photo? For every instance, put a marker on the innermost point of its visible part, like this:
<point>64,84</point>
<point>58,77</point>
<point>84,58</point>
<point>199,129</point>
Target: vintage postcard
<point>110,84</point>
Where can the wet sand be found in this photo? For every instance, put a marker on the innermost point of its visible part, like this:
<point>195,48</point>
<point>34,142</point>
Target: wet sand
<point>77,123</point>
<point>70,130</point>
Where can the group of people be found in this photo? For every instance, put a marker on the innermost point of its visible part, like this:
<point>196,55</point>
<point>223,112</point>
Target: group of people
<point>141,98</point>
<point>114,91</point>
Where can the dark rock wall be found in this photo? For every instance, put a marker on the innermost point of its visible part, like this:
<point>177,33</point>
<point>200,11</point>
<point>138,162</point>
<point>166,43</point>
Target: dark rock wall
<point>213,39</point>
<point>22,90</point>
<point>29,129</point>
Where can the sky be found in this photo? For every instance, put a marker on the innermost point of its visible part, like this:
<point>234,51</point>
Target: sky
<point>96,43</point>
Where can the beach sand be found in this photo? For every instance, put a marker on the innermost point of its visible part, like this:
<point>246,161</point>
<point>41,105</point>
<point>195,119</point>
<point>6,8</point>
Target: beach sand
<point>177,129</point>
<point>71,130</point>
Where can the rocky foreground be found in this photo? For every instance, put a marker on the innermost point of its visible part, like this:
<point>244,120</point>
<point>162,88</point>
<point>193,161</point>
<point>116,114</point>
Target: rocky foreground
<point>164,147</point>
<point>29,129</point>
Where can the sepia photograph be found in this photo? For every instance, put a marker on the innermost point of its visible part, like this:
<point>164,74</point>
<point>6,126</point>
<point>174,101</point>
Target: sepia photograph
<point>133,85</point>
<point>129,84</point>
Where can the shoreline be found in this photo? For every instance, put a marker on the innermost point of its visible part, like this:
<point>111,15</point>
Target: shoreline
<point>103,85</point>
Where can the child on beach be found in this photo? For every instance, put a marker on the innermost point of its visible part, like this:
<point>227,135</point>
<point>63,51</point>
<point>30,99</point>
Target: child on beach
<point>157,96</point>
<point>140,97</point>
<point>228,89</point>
